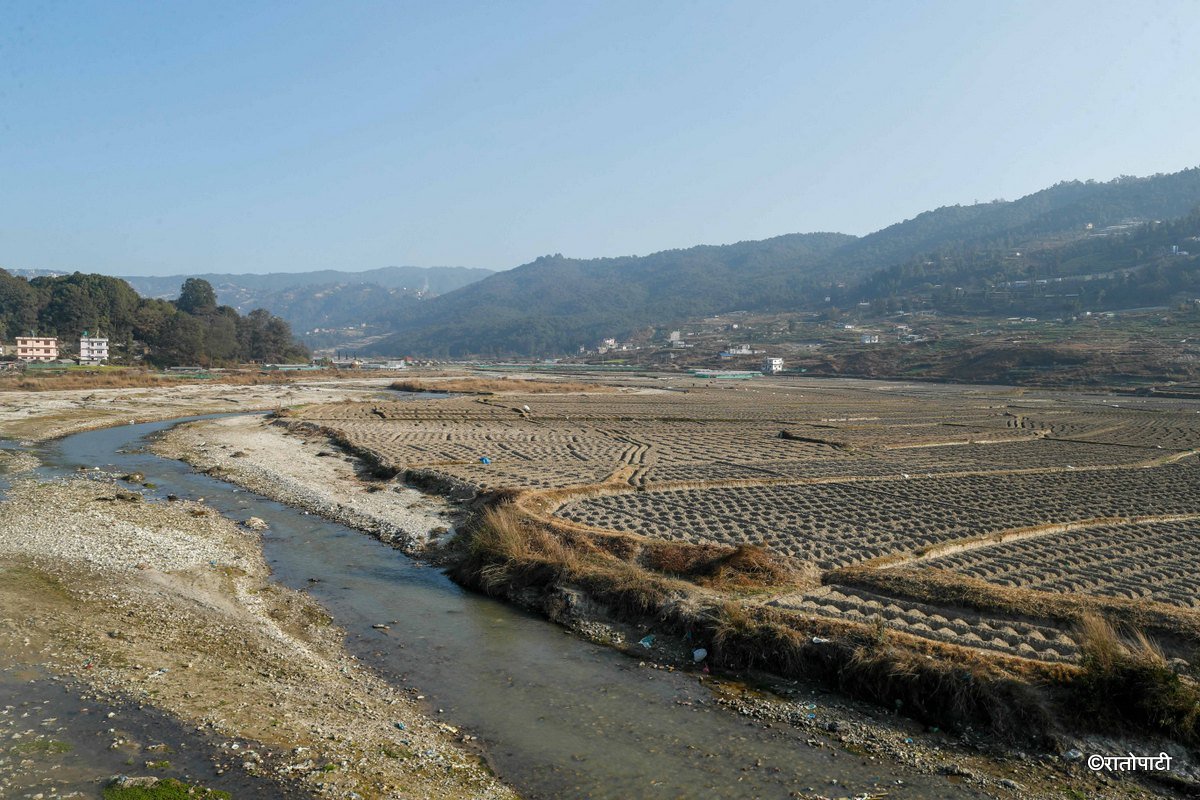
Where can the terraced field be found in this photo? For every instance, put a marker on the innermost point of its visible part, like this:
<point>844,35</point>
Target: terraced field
<point>1017,638</point>
<point>1062,496</point>
<point>1151,560</point>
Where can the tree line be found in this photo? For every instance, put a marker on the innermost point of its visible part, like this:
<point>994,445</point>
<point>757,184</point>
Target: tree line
<point>193,329</point>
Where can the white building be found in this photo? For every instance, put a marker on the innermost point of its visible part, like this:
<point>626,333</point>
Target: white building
<point>37,348</point>
<point>93,349</point>
<point>869,338</point>
<point>772,366</point>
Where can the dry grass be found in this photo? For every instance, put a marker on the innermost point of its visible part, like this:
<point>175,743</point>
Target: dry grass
<point>1127,681</point>
<point>511,556</point>
<point>496,385</point>
<point>745,566</point>
<point>509,549</point>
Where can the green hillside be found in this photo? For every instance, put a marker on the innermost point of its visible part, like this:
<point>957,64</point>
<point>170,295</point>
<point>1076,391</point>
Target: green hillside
<point>557,304</point>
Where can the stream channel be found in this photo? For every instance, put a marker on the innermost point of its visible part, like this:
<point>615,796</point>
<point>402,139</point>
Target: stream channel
<point>555,716</point>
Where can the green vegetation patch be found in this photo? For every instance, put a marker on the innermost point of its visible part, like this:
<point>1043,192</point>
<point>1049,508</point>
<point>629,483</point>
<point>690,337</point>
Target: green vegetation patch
<point>41,747</point>
<point>169,789</point>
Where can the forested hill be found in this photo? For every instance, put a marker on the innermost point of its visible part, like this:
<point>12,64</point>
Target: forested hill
<point>1150,264</point>
<point>193,329</point>
<point>1063,210</point>
<point>555,304</point>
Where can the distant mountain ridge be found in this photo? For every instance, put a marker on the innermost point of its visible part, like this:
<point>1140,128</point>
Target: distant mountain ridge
<point>434,280</point>
<point>1065,207</point>
<point>555,304</point>
<point>324,298</point>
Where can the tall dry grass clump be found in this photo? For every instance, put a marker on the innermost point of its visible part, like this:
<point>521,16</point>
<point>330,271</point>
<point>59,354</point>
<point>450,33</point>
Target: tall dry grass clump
<point>743,567</point>
<point>1127,681</point>
<point>506,553</point>
<point>510,555</point>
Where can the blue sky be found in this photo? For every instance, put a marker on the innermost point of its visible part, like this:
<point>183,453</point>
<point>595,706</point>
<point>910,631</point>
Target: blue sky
<point>163,138</point>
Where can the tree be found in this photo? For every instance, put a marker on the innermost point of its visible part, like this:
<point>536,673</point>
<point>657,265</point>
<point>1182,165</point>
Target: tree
<point>220,338</point>
<point>197,297</point>
<point>267,338</point>
<point>70,312</point>
<point>182,341</point>
<point>18,306</point>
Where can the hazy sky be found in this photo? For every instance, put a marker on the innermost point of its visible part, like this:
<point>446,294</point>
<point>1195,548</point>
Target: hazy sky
<point>147,137</point>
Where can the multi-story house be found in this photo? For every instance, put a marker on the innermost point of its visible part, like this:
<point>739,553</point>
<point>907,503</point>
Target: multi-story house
<point>37,348</point>
<point>92,349</point>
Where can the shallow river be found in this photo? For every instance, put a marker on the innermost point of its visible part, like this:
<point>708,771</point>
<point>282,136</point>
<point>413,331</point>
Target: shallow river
<point>555,716</point>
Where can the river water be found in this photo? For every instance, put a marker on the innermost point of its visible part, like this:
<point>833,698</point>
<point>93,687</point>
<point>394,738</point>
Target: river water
<point>556,717</point>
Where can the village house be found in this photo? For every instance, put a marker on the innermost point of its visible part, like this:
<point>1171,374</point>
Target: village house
<point>37,348</point>
<point>93,349</point>
<point>772,366</point>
